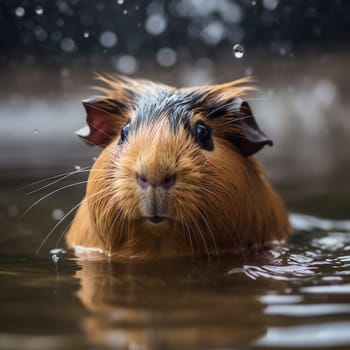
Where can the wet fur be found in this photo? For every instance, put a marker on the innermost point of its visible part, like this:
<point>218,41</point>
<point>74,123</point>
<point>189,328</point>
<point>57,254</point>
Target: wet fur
<point>221,202</point>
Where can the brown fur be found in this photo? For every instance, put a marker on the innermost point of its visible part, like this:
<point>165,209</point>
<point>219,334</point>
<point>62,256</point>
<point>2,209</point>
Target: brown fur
<point>221,201</point>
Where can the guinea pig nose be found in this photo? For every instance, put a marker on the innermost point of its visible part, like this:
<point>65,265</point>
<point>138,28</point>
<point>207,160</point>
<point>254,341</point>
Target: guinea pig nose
<point>168,181</point>
<point>142,180</point>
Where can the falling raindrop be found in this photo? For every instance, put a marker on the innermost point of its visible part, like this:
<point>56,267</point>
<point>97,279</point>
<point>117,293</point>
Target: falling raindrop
<point>156,24</point>
<point>94,159</point>
<point>57,214</point>
<point>68,45</point>
<point>40,33</point>
<point>39,10</point>
<point>77,167</point>
<point>166,56</point>
<point>120,2</point>
<point>270,4</point>
<point>20,11</point>
<point>248,72</point>
<point>283,51</point>
<point>238,50</point>
<point>108,39</point>
<point>86,34</point>
<point>55,258</point>
<point>126,64</point>
<point>125,12</point>
<point>213,33</point>
<point>36,131</point>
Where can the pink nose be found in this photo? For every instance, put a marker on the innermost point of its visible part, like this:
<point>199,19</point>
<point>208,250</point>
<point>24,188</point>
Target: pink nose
<point>167,182</point>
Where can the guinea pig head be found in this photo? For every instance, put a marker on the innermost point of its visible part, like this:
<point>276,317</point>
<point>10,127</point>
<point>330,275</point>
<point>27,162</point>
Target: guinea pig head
<point>176,176</point>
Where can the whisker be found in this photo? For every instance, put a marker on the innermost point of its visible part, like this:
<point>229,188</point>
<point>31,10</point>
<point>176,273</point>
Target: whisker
<point>115,220</point>
<point>56,181</point>
<point>55,191</point>
<point>203,240</point>
<point>54,228</point>
<point>51,178</point>
<point>189,235</point>
<point>50,194</point>
<point>101,131</point>
<point>63,233</point>
<point>211,233</point>
<point>63,218</point>
<point>237,120</point>
<point>187,232</point>
<point>62,177</point>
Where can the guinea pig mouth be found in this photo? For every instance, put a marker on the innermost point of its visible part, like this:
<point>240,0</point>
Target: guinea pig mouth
<point>156,219</point>
<point>154,205</point>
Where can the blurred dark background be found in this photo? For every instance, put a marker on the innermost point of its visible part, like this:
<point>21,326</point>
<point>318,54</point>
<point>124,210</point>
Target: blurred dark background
<point>88,31</point>
<point>298,51</point>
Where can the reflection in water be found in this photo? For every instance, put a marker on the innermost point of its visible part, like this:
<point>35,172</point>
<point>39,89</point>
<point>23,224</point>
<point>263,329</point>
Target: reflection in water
<point>248,302</point>
<point>174,304</point>
<point>275,300</point>
<point>314,336</point>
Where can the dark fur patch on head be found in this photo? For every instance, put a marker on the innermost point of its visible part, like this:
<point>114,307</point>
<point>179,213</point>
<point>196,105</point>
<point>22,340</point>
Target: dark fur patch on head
<point>144,103</point>
<point>155,103</point>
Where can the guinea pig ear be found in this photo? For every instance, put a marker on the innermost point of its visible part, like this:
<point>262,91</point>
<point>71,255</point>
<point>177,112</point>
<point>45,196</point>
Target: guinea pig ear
<point>100,128</point>
<point>252,138</point>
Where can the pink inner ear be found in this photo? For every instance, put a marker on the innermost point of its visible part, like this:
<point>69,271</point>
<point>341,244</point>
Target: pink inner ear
<point>100,123</point>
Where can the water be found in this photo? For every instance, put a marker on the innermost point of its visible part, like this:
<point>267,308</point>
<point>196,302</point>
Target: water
<point>294,296</point>
<point>238,50</point>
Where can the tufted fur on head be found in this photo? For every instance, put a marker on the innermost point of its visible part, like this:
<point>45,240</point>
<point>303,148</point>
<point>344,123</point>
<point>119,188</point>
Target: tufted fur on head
<point>176,175</point>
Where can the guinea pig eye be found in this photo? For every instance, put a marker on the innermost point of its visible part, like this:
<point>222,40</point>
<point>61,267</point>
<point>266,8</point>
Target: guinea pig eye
<point>203,136</point>
<point>124,134</point>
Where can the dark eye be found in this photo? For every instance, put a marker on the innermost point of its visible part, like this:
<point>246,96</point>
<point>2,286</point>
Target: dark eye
<point>124,134</point>
<point>203,136</point>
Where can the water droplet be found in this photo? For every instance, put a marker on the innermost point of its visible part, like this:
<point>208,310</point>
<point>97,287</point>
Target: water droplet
<point>166,57</point>
<point>270,4</point>
<point>120,2</point>
<point>36,131</point>
<point>253,3</point>
<point>40,33</point>
<point>125,12</point>
<point>213,32</point>
<point>94,159</point>
<point>126,64</point>
<point>283,51</point>
<point>55,258</point>
<point>108,39</point>
<point>20,11</point>
<point>68,45</point>
<point>65,72</point>
<point>248,72</point>
<point>238,50</point>
<point>156,24</point>
<point>57,251</point>
<point>39,10</point>
<point>57,214</point>
<point>77,167</point>
<point>86,34</point>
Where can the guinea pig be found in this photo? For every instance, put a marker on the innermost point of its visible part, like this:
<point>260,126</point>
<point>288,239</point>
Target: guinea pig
<point>176,176</point>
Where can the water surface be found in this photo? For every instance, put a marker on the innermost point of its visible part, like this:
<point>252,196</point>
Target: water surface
<point>297,295</point>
